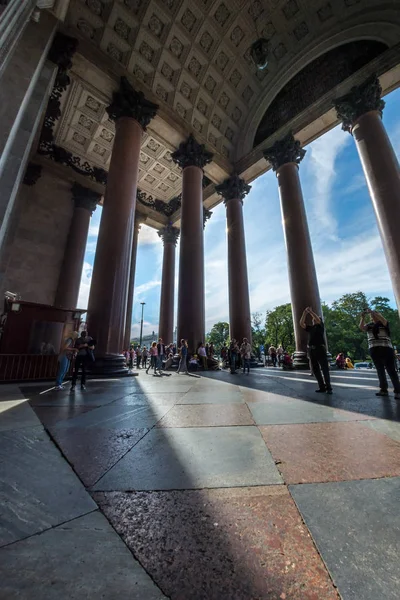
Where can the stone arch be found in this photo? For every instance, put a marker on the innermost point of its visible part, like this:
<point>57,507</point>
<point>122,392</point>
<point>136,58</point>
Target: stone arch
<point>379,30</point>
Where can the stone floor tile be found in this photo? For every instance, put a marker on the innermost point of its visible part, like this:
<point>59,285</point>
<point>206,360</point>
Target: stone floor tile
<point>117,416</point>
<point>389,428</point>
<point>207,415</point>
<point>212,397</point>
<point>79,560</point>
<point>17,414</point>
<point>50,415</point>
<point>94,451</point>
<point>292,410</point>
<point>319,452</point>
<point>88,397</point>
<point>152,398</point>
<point>189,458</point>
<point>38,489</point>
<point>356,526</point>
<point>236,544</point>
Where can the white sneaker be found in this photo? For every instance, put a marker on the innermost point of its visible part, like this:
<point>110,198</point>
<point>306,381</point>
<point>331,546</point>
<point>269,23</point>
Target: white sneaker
<point>59,387</point>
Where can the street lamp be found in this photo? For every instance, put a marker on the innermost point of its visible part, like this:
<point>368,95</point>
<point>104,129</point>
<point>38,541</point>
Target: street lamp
<point>141,325</point>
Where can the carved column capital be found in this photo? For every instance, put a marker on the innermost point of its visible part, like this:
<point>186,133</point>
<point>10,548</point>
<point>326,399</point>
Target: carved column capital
<point>127,102</point>
<point>192,154</point>
<point>286,150</point>
<point>360,100</point>
<point>233,188</point>
<point>207,214</point>
<point>169,234</point>
<point>85,198</point>
<point>32,174</point>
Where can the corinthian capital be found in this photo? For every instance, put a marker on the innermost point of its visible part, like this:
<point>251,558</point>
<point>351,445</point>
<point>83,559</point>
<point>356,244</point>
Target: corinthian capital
<point>286,150</point>
<point>360,100</point>
<point>190,153</point>
<point>233,188</point>
<point>127,102</point>
<point>169,234</point>
<point>85,198</point>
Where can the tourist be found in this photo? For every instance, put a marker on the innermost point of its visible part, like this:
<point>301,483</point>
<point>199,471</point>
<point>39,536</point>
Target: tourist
<point>144,357</point>
<point>207,350</point>
<point>287,362</point>
<point>132,355</point>
<point>349,364</point>
<point>193,363</point>
<point>381,350</point>
<point>84,345</point>
<point>279,354</point>
<point>202,353</point>
<point>340,361</point>
<point>153,358</point>
<point>245,352</point>
<point>138,357</point>
<point>272,353</point>
<point>317,349</point>
<point>183,352</point>
<point>233,353</point>
<point>161,354</point>
<point>67,353</point>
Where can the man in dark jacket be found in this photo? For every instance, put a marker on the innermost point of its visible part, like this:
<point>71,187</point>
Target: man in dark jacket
<point>317,349</point>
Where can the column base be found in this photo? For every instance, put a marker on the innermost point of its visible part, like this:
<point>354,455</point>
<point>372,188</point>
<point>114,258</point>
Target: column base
<point>300,361</point>
<point>109,365</point>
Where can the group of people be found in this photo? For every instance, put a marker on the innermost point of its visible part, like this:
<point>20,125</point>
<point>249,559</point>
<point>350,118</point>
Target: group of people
<point>80,349</point>
<point>236,357</point>
<point>279,356</point>
<point>379,344</point>
<point>344,362</point>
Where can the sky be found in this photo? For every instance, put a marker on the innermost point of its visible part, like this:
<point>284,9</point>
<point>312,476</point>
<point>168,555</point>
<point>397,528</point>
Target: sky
<point>347,248</point>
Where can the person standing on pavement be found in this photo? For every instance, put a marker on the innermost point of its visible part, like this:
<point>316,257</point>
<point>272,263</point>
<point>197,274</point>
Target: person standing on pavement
<point>381,350</point>
<point>138,357</point>
<point>85,346</point>
<point>153,358</point>
<point>144,357</point>
<point>183,351</point>
<point>317,349</point>
<point>161,354</point>
<point>233,352</point>
<point>279,354</point>
<point>64,358</point>
<point>202,353</point>
<point>245,351</point>
<point>272,353</point>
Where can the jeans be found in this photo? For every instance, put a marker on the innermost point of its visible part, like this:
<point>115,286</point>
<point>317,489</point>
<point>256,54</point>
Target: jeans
<point>233,361</point>
<point>63,366</point>
<point>80,363</point>
<point>204,362</point>
<point>183,365</point>
<point>152,363</point>
<point>319,362</point>
<point>384,358</point>
<point>138,361</point>
<point>246,365</point>
<point>160,359</point>
<point>144,362</point>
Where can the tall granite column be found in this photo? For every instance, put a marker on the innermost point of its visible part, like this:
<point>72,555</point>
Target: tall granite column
<point>284,157</point>
<point>191,157</point>
<point>139,218</point>
<point>109,290</point>
<point>233,190</point>
<point>169,235</point>
<point>85,201</point>
<point>361,113</point>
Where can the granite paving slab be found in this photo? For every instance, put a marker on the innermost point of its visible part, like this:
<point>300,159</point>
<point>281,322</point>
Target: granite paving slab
<point>236,543</point>
<point>356,526</point>
<point>38,489</point>
<point>292,410</point>
<point>117,416</point>
<point>79,560</point>
<point>189,458</point>
<point>17,414</point>
<point>207,415</point>
<point>50,415</point>
<point>212,397</point>
<point>94,451</point>
<point>389,428</point>
<point>87,397</point>
<point>318,452</point>
<point>152,398</point>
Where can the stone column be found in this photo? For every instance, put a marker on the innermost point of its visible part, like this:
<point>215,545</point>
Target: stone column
<point>169,236</point>
<point>361,114</point>
<point>85,201</point>
<point>191,157</point>
<point>109,290</point>
<point>139,218</point>
<point>284,157</point>
<point>233,190</point>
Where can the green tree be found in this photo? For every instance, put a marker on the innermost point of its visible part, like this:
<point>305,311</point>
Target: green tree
<point>342,320</point>
<point>279,327</point>
<point>257,331</point>
<point>218,335</point>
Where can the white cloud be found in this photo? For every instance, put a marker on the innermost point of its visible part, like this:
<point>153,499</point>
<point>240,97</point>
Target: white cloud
<point>94,229</point>
<point>84,289</point>
<point>148,235</point>
<point>140,290</point>
<point>321,166</point>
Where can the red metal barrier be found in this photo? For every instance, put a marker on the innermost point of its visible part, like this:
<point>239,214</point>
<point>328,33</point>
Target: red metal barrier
<point>27,367</point>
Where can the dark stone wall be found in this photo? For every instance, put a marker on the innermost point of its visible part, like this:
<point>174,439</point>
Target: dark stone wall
<point>315,80</point>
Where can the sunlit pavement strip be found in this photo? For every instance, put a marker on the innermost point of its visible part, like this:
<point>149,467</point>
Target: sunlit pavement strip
<point>199,492</point>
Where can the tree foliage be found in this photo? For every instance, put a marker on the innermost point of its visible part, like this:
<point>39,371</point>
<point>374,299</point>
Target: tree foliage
<point>218,335</point>
<point>279,327</point>
<point>257,330</point>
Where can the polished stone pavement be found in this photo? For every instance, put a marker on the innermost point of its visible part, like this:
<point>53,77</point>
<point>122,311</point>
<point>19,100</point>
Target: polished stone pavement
<point>214,487</point>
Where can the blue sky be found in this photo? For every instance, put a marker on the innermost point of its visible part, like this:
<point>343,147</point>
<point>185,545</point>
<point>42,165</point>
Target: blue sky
<point>347,247</point>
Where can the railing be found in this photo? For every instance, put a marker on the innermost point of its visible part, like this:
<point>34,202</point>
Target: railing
<point>27,367</point>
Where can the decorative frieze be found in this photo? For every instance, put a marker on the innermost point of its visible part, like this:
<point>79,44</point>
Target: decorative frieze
<point>127,102</point>
<point>360,100</point>
<point>286,150</point>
